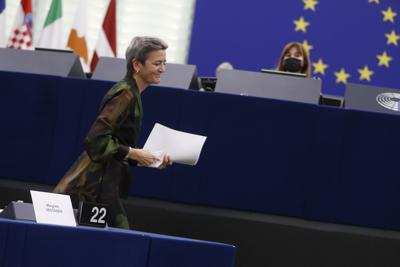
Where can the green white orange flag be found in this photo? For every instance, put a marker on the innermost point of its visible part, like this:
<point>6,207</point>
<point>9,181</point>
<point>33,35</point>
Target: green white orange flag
<point>77,37</point>
<point>52,32</point>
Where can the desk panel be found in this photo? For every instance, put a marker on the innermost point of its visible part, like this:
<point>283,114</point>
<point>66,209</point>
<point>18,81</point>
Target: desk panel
<point>31,244</point>
<point>28,244</point>
<point>261,155</point>
<point>183,252</point>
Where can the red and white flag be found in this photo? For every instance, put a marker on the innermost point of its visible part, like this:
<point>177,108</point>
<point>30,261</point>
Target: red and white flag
<point>21,34</point>
<point>107,43</point>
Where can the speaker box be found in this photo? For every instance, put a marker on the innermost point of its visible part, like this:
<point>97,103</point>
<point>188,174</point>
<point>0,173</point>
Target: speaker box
<point>176,75</point>
<point>331,100</point>
<point>372,98</point>
<point>268,85</point>
<point>50,62</point>
<point>19,211</point>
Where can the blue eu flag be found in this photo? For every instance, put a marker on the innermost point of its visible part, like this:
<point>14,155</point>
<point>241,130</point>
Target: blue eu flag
<point>2,5</point>
<point>354,41</point>
<point>2,23</point>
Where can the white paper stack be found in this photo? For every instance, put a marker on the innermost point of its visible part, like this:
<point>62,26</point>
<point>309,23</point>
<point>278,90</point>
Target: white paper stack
<point>182,147</point>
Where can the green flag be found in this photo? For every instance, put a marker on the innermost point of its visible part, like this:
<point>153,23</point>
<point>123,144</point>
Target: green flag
<point>52,33</point>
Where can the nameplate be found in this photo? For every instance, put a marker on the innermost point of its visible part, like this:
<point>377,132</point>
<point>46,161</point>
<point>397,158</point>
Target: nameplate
<point>51,208</point>
<point>93,214</point>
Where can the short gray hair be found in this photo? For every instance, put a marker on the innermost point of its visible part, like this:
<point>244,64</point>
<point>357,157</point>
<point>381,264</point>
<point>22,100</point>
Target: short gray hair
<point>140,48</point>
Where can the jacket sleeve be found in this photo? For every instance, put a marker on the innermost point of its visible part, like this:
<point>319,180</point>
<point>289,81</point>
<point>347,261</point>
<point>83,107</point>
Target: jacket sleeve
<point>101,143</point>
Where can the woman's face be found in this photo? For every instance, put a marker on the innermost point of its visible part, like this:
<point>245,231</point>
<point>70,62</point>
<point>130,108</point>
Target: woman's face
<point>150,72</point>
<point>294,52</point>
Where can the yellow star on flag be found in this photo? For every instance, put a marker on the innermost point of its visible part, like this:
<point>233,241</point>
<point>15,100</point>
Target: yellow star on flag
<point>392,38</point>
<point>365,73</point>
<point>310,4</point>
<point>307,46</point>
<point>389,15</point>
<point>301,25</point>
<point>373,1</point>
<point>342,76</point>
<point>384,59</point>
<point>319,67</point>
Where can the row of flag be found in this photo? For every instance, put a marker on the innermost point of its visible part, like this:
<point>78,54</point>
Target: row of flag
<point>51,36</point>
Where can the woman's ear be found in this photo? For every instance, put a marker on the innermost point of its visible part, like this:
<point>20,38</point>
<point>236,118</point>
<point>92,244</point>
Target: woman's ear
<point>136,65</point>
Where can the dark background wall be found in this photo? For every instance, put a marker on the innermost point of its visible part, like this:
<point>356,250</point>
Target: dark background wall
<point>261,155</point>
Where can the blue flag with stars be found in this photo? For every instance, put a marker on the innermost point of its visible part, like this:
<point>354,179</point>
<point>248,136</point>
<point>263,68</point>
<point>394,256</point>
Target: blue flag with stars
<point>2,23</point>
<point>354,41</point>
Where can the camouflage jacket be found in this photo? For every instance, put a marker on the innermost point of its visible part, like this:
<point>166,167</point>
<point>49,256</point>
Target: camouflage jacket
<point>115,129</point>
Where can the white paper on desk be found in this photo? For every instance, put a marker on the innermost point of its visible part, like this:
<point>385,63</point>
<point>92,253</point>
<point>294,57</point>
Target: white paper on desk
<point>182,147</point>
<point>53,208</point>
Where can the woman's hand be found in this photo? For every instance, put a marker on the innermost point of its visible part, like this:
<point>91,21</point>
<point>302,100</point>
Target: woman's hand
<point>166,161</point>
<point>143,157</point>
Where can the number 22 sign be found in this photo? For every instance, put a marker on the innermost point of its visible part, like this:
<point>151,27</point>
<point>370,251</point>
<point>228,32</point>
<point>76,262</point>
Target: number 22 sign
<point>92,214</point>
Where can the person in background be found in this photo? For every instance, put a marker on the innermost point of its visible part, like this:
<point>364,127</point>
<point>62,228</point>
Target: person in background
<point>223,66</point>
<point>295,58</point>
<point>102,173</point>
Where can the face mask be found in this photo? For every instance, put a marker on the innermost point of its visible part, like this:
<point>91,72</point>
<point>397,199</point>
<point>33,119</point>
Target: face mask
<point>292,65</point>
